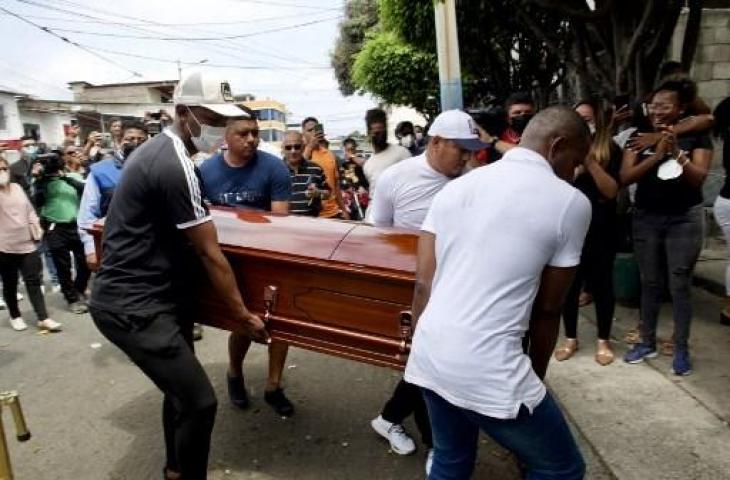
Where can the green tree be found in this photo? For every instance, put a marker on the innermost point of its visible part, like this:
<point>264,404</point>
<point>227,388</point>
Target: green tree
<point>511,45</point>
<point>360,17</point>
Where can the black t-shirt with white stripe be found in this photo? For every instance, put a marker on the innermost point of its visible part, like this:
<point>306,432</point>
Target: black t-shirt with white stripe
<point>299,202</point>
<point>147,259</point>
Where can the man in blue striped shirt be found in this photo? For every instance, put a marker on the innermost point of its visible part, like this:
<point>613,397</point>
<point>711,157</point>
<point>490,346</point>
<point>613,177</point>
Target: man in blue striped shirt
<point>308,183</point>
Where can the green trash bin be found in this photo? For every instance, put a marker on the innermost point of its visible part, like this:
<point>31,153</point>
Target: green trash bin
<point>626,280</point>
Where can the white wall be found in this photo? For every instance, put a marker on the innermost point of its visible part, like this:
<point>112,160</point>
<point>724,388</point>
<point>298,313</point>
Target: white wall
<point>401,114</point>
<point>13,126</point>
<point>51,125</point>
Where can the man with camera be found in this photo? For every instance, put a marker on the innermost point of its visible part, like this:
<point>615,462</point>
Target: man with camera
<point>101,183</point>
<point>56,196</point>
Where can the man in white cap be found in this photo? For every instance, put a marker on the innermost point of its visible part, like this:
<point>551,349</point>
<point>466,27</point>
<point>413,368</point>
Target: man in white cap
<point>490,267</point>
<point>403,196</point>
<point>157,228</point>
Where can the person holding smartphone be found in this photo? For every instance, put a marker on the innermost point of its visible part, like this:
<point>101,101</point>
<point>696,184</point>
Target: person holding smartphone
<point>668,220</point>
<point>316,151</point>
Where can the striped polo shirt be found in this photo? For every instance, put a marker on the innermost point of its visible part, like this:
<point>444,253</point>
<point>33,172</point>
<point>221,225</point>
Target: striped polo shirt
<point>301,177</point>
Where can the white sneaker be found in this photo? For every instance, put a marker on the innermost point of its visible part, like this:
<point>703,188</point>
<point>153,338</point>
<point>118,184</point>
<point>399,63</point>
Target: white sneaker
<point>20,297</point>
<point>18,324</point>
<point>399,440</point>
<point>55,288</point>
<point>50,325</point>
<point>429,461</point>
<point>43,289</point>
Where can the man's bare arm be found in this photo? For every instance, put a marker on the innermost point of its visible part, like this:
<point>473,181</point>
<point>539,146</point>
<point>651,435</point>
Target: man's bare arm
<point>546,312</point>
<point>425,269</point>
<point>205,241</point>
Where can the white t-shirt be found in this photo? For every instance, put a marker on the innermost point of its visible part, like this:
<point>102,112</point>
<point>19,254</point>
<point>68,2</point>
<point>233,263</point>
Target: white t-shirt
<point>405,192</point>
<point>379,162</point>
<point>496,229</point>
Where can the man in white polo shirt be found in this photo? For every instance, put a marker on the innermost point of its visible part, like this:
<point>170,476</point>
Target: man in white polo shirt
<point>497,254</point>
<point>403,196</point>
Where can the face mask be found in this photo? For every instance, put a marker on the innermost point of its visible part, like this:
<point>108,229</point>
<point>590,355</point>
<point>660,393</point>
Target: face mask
<point>127,149</point>
<point>4,178</point>
<point>379,139</point>
<point>407,141</point>
<point>30,151</point>
<point>209,138</point>
<point>519,123</point>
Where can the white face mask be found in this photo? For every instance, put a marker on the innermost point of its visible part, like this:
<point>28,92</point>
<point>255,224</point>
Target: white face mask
<point>407,141</point>
<point>4,178</point>
<point>209,138</point>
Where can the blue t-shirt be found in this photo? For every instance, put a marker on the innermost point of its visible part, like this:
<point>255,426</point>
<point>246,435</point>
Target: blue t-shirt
<point>262,180</point>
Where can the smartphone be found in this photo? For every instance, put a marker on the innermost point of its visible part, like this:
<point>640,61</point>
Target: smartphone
<point>106,140</point>
<point>319,128</point>
<point>621,101</point>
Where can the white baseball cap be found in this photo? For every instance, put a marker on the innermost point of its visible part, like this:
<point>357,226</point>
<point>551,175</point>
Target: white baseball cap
<point>460,127</point>
<point>198,89</point>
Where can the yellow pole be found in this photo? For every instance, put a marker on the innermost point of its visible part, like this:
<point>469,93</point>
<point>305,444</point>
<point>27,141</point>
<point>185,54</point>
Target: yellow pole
<point>11,400</point>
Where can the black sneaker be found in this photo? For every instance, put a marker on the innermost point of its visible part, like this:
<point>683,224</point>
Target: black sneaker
<point>278,401</point>
<point>237,392</point>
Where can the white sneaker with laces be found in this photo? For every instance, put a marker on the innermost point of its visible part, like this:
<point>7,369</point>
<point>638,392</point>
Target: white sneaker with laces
<point>18,324</point>
<point>429,461</point>
<point>50,325</point>
<point>400,442</point>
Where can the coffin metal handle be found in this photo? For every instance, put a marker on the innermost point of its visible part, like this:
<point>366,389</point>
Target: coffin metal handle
<point>406,330</point>
<point>271,294</point>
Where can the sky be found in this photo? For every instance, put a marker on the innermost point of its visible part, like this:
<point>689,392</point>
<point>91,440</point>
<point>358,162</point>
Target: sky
<point>287,42</point>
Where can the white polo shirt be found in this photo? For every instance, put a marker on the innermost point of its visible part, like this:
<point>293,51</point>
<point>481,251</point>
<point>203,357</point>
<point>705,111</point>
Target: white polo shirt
<point>405,192</point>
<point>496,229</point>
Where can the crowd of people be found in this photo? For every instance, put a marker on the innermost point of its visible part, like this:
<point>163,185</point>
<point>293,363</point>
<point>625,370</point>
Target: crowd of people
<point>455,181</point>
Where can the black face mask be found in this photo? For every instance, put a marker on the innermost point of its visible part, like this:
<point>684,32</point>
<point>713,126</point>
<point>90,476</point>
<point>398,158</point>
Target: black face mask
<point>127,149</point>
<point>379,139</point>
<point>519,123</point>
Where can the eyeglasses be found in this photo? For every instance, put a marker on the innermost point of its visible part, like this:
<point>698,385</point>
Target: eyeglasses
<point>296,147</point>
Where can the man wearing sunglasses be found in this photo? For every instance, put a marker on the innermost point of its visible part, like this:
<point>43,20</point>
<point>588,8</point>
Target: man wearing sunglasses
<point>243,176</point>
<point>309,185</point>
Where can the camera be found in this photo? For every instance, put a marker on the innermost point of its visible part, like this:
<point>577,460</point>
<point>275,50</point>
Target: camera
<point>51,163</point>
<point>492,118</point>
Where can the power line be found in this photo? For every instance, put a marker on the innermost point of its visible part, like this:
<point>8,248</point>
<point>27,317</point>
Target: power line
<point>148,22</point>
<point>241,67</point>
<point>70,42</point>
<point>184,24</point>
<point>196,39</point>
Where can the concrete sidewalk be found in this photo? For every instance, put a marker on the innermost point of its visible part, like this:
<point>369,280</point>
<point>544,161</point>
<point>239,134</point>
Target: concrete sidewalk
<point>643,421</point>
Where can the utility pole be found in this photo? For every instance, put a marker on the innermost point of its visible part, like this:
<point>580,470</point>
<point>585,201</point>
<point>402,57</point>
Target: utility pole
<point>447,45</point>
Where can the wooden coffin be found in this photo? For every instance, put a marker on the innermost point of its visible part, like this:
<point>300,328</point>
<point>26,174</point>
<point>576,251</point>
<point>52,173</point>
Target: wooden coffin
<point>330,286</point>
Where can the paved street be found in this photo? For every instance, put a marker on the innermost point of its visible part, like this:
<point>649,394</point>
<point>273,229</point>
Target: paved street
<point>94,416</point>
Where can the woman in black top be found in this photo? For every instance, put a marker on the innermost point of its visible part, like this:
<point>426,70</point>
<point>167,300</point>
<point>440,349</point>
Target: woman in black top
<point>721,208</point>
<point>597,179</point>
<point>668,221</point>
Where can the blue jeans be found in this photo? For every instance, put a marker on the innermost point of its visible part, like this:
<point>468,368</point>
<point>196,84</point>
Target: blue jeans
<point>541,441</point>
